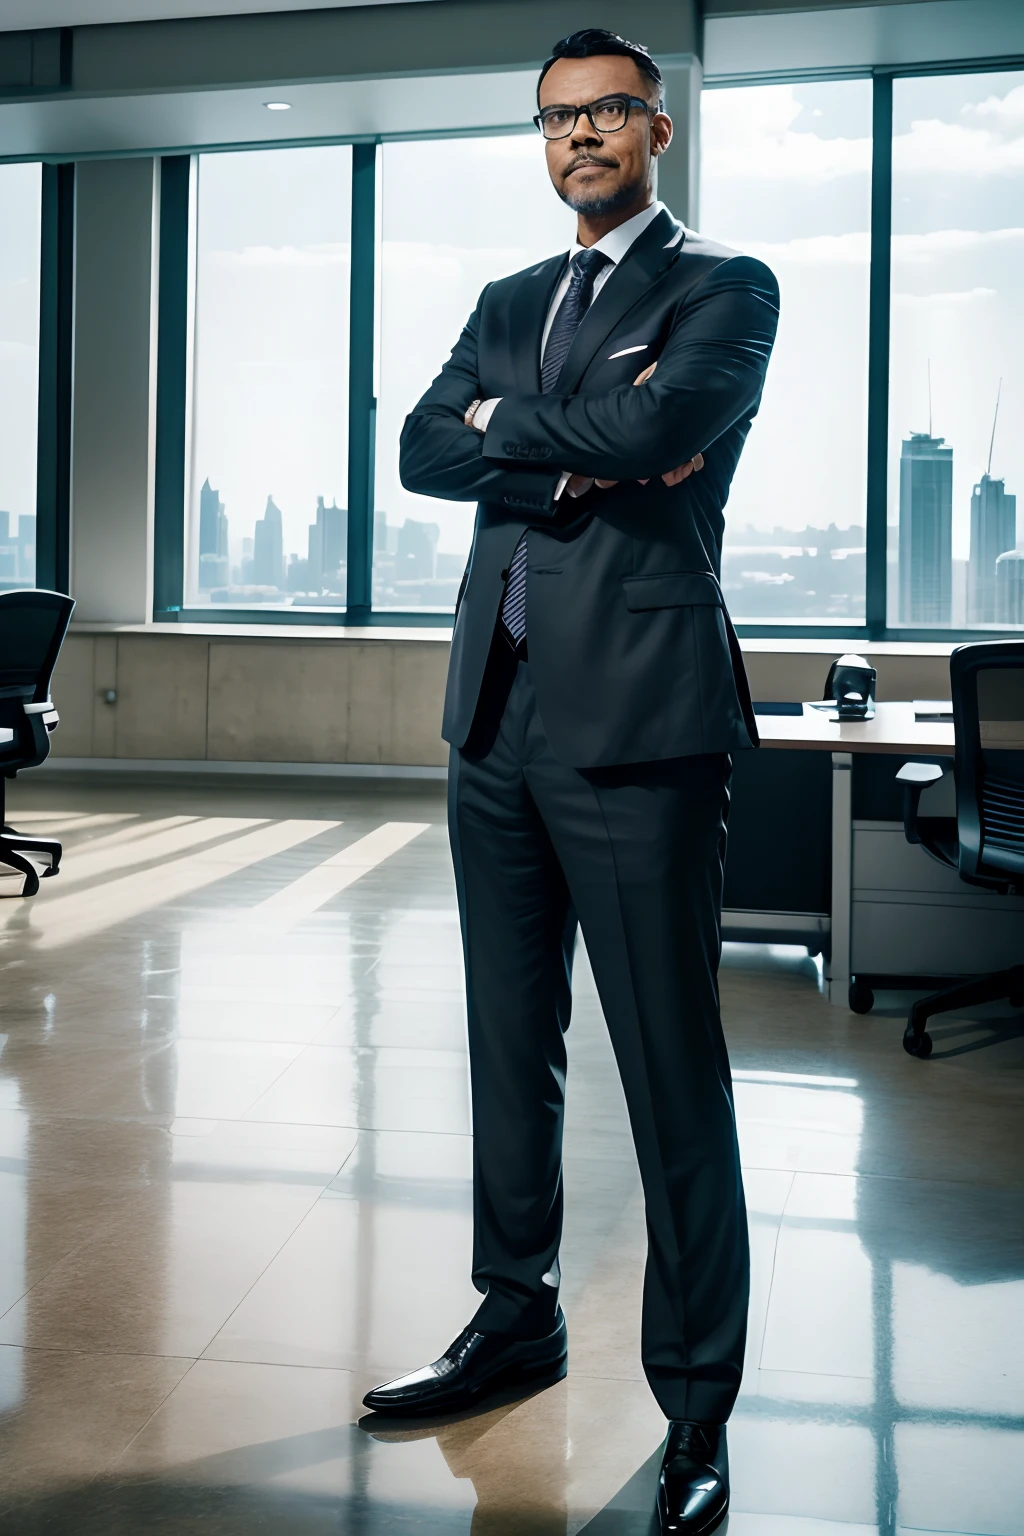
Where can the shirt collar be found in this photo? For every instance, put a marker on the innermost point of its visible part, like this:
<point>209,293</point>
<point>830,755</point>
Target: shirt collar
<point>617,241</point>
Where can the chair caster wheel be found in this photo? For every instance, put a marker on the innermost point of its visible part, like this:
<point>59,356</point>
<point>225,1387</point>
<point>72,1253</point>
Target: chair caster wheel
<point>862,999</point>
<point>921,1048</point>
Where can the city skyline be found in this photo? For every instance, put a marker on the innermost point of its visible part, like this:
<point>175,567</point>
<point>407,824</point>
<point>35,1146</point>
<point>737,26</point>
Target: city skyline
<point>409,569</point>
<point>777,574</point>
<point>926,565</point>
<point>17,551</point>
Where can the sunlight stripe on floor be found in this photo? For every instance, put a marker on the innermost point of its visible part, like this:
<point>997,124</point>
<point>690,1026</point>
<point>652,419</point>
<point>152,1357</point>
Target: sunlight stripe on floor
<point>48,823</point>
<point>311,890</point>
<point>81,914</point>
<point>153,842</point>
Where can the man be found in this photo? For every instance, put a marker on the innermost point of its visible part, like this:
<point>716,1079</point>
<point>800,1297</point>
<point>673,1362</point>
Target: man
<point>595,693</point>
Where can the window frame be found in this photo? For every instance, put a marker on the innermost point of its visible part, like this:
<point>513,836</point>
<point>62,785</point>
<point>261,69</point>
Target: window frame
<point>172,426</point>
<point>54,373</point>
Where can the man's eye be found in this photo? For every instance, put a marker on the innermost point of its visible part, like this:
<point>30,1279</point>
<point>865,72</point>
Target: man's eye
<point>557,115</point>
<point>609,111</point>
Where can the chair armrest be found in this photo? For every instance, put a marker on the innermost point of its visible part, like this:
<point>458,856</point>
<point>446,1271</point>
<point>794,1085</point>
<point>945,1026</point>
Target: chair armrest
<point>915,777</point>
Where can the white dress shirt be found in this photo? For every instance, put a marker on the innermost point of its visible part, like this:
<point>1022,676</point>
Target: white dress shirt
<point>614,245</point>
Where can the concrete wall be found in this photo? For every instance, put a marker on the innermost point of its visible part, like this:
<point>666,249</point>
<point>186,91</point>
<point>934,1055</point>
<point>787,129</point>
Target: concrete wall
<point>283,698</point>
<point>114,391</point>
<point>245,699</point>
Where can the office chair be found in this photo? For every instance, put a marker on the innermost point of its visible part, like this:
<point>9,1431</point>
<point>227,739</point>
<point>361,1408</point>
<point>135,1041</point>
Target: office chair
<point>32,629</point>
<point>984,842</point>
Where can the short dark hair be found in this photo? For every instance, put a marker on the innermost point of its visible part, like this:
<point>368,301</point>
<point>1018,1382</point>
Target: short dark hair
<point>596,40</point>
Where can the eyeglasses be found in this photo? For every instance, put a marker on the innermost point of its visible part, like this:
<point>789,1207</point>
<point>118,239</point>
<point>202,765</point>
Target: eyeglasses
<point>608,115</point>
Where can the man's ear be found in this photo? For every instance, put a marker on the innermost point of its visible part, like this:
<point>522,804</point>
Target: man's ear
<point>661,133</point>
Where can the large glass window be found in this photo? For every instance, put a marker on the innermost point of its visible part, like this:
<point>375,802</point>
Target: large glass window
<point>457,213</point>
<point>957,337</point>
<point>269,420</point>
<point>20,210</point>
<point>786,176</point>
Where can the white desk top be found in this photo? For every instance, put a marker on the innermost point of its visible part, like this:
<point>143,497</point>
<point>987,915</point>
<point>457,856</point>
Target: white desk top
<point>893,730</point>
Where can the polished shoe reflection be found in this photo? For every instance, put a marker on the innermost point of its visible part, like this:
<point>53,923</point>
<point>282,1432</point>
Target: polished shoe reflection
<point>235,1196</point>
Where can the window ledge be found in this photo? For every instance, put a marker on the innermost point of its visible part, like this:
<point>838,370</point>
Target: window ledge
<point>362,634</point>
<point>323,633</point>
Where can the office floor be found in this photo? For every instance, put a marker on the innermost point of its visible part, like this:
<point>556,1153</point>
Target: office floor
<point>234,1193</point>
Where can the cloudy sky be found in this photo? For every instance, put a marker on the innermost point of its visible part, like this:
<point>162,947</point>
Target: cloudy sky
<point>958,275</point>
<point>271,360</point>
<point>787,175</point>
<point>19,336</point>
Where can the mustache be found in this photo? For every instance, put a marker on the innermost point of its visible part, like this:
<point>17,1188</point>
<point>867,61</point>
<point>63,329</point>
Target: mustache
<point>586,160</point>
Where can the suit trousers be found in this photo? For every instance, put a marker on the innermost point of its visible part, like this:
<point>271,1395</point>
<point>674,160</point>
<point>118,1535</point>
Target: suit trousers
<point>633,855</point>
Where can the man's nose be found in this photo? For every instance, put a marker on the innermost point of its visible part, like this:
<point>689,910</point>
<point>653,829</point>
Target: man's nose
<point>585,132</point>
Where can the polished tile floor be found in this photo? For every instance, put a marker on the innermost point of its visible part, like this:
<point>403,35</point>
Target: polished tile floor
<point>234,1193</point>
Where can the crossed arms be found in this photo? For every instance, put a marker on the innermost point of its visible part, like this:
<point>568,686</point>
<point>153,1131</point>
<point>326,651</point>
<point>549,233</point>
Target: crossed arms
<point>709,375</point>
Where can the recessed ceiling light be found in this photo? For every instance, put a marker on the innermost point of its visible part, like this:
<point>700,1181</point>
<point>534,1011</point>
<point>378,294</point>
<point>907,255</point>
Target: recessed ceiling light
<point>278,106</point>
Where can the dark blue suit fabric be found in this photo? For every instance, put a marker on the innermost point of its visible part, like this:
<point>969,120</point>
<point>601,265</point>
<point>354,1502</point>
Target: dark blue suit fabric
<point>589,784</point>
<point>631,649</point>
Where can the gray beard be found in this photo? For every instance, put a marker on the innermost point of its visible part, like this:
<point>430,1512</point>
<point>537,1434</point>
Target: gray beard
<point>595,207</point>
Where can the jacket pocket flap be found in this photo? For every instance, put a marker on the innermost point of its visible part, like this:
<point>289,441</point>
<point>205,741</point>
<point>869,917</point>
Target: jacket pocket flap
<point>675,589</point>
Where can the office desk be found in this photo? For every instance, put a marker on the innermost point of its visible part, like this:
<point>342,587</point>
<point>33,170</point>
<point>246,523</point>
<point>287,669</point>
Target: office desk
<point>893,731</point>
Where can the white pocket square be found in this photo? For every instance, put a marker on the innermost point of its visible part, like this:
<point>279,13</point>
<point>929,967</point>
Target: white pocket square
<point>640,347</point>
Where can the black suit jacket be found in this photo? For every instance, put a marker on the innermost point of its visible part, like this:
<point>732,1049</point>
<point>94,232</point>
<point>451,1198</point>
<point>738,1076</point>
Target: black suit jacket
<point>632,652</point>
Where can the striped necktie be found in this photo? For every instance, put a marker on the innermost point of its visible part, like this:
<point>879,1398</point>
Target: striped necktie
<point>583,269</point>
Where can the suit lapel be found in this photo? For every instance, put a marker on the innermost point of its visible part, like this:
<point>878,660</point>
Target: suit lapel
<point>528,310</point>
<point>649,256</point>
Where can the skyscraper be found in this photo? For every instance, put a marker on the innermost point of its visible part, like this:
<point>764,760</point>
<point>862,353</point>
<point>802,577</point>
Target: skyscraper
<point>328,547</point>
<point>926,530</point>
<point>416,556</point>
<point>8,551</point>
<point>268,549</point>
<point>1009,586</point>
<point>213,540</point>
<point>27,549</point>
<point>993,531</point>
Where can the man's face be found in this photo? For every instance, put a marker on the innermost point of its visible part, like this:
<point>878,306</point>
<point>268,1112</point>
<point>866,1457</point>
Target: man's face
<point>597,173</point>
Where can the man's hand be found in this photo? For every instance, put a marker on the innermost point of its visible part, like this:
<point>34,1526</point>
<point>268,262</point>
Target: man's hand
<point>671,476</point>
<point>478,415</point>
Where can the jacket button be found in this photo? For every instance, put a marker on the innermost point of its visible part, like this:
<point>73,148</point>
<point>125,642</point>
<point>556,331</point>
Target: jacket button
<point>504,575</point>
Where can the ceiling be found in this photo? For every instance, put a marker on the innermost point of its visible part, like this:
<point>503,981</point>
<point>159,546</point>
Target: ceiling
<point>17,15</point>
<point>176,120</point>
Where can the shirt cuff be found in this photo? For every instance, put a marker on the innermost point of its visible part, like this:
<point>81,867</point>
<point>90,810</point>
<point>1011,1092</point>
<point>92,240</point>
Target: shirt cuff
<point>483,412</point>
<point>581,490</point>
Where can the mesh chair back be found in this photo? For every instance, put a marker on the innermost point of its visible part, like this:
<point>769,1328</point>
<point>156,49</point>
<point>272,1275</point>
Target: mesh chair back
<point>32,629</point>
<point>987,683</point>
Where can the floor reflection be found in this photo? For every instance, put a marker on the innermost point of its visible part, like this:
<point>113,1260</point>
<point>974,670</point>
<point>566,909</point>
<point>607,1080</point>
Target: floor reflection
<point>235,1191</point>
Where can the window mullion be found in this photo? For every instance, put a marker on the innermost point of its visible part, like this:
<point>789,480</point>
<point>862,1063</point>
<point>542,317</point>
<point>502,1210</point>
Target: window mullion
<point>56,307</point>
<point>171,392</point>
<point>362,406</point>
<point>878,357</point>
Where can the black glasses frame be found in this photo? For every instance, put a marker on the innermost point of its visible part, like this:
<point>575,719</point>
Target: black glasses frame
<point>630,103</point>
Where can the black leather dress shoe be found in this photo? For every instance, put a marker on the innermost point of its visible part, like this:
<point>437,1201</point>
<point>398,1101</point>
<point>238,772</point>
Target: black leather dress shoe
<point>475,1364</point>
<point>693,1491</point>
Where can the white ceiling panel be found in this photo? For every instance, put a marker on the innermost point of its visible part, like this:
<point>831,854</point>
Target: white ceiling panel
<point>860,36</point>
<point>16,15</point>
<point>196,119</point>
